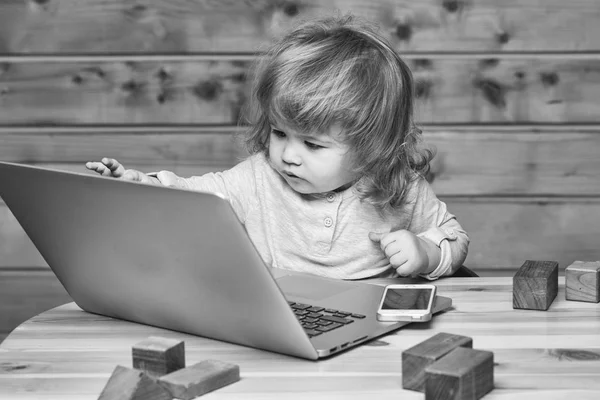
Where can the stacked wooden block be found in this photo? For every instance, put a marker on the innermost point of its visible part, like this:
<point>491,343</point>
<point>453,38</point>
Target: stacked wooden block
<point>159,373</point>
<point>446,366</point>
<point>582,281</point>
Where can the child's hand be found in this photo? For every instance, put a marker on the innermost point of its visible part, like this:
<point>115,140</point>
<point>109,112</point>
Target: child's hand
<point>107,167</point>
<point>113,168</point>
<point>408,253</point>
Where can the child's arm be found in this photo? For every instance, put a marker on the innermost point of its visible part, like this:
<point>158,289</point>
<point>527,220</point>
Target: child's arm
<point>434,244</point>
<point>408,253</point>
<point>432,222</point>
<point>236,184</point>
<point>111,167</point>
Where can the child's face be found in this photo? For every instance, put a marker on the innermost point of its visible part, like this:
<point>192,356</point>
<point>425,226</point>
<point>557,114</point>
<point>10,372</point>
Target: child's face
<point>310,164</point>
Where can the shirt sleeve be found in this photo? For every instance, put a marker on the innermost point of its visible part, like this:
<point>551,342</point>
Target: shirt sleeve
<point>237,185</point>
<point>432,221</point>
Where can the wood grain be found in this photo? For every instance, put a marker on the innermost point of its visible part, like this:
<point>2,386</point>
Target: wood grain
<point>65,26</point>
<point>463,374</point>
<point>416,359</point>
<point>201,378</point>
<point>504,232</point>
<point>470,160</point>
<point>26,292</point>
<point>535,285</point>
<point>583,281</point>
<point>158,356</point>
<point>214,90</point>
<point>68,354</point>
<point>131,384</point>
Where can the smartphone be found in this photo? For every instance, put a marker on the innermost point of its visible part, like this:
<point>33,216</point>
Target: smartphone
<point>406,303</point>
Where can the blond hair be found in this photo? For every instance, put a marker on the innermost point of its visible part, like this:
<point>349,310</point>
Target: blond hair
<point>338,70</point>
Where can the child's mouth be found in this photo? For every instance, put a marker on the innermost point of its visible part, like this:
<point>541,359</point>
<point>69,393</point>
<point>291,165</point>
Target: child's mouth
<point>291,175</point>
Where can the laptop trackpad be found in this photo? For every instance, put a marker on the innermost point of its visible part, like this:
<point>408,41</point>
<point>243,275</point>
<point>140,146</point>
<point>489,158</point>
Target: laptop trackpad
<point>311,288</point>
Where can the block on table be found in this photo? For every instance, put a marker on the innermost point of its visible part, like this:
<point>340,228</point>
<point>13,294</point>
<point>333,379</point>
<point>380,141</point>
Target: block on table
<point>158,356</point>
<point>462,374</point>
<point>200,378</point>
<point>535,285</point>
<point>131,384</point>
<point>582,281</point>
<point>420,356</point>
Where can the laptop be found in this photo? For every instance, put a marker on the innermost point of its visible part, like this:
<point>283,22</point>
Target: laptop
<point>181,260</point>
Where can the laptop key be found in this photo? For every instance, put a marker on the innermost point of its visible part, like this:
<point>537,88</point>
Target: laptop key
<point>309,326</point>
<point>337,319</point>
<point>312,332</point>
<point>300,306</point>
<point>315,315</point>
<point>315,309</point>
<point>323,322</point>
<point>328,327</point>
<point>359,316</point>
<point>340,315</point>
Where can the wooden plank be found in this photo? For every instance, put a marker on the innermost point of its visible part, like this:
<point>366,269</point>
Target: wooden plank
<point>214,90</point>
<point>515,161</point>
<point>504,232</point>
<point>26,293</point>
<point>67,26</point>
<point>125,91</point>
<point>179,148</point>
<point>470,161</point>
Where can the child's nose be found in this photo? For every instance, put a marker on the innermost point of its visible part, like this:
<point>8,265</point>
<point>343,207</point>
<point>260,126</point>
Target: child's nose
<point>290,155</point>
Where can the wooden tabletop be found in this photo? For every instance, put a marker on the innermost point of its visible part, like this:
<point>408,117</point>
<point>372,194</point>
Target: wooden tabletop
<point>66,353</point>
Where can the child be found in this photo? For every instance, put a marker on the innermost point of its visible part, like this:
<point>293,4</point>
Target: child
<point>335,183</point>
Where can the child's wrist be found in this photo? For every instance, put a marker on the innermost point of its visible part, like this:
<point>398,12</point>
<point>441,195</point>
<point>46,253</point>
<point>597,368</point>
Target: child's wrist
<point>434,256</point>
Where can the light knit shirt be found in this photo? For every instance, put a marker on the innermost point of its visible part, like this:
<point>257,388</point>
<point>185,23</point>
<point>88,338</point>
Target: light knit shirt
<point>326,234</point>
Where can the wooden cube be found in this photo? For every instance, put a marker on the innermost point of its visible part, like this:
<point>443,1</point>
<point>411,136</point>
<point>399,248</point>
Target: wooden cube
<point>200,378</point>
<point>129,384</point>
<point>158,356</point>
<point>460,375</point>
<point>420,356</point>
<point>535,285</point>
<point>582,281</point>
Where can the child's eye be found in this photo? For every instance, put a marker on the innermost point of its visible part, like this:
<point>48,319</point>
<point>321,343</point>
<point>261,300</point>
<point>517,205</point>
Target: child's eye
<point>313,146</point>
<point>278,133</point>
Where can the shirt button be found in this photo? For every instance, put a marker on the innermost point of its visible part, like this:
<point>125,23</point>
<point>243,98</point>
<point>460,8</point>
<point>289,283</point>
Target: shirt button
<point>330,197</point>
<point>328,222</point>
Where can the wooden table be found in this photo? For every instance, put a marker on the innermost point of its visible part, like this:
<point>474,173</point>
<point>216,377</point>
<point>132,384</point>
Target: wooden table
<point>66,353</point>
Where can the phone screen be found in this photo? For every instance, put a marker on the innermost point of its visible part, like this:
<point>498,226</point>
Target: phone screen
<point>406,299</point>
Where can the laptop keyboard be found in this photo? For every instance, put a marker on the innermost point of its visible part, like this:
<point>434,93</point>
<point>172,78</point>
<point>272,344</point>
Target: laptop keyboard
<point>317,320</point>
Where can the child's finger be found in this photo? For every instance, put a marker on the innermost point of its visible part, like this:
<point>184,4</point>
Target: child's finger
<point>376,236</point>
<point>406,269</point>
<point>133,175</point>
<point>98,168</point>
<point>384,239</point>
<point>116,167</point>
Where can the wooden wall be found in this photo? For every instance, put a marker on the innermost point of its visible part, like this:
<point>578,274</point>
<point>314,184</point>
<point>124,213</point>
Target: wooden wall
<point>508,92</point>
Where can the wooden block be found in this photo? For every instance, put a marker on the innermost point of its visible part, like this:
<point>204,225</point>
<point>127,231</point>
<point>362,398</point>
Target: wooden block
<point>583,281</point>
<point>535,285</point>
<point>420,356</point>
<point>131,384</point>
<point>200,378</point>
<point>460,375</point>
<point>159,356</point>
